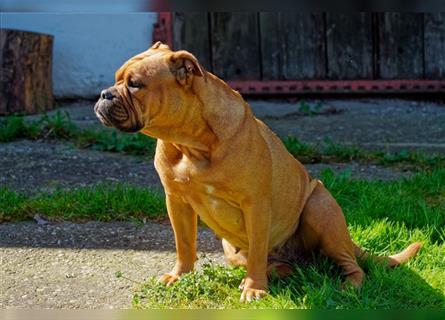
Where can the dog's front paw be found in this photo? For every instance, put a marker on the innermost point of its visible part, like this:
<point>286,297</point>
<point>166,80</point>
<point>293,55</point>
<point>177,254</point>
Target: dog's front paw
<point>168,279</point>
<point>252,290</point>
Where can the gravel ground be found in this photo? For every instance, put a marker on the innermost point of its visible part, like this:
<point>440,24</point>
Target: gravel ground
<point>29,166</point>
<point>74,265</point>
<point>391,124</point>
<point>372,124</point>
<point>67,265</point>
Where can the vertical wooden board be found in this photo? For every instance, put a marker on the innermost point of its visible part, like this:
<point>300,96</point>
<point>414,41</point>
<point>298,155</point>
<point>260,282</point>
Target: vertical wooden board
<point>272,46</point>
<point>400,45</point>
<point>434,45</point>
<point>349,46</point>
<point>235,47</point>
<point>292,46</point>
<point>191,32</point>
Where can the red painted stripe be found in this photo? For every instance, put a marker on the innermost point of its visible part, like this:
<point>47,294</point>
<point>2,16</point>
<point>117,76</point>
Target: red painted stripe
<point>336,86</point>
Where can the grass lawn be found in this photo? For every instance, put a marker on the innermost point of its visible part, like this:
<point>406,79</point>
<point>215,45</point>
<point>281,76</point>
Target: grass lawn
<point>383,217</point>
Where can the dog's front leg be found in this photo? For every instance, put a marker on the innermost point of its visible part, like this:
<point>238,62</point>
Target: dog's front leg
<point>257,216</point>
<point>184,222</point>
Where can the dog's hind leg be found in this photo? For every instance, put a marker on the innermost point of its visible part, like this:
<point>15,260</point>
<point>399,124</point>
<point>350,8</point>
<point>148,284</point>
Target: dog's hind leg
<point>234,256</point>
<point>323,227</point>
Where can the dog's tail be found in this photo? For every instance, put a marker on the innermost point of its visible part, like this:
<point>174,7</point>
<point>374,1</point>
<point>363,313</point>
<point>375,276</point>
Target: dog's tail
<point>390,261</point>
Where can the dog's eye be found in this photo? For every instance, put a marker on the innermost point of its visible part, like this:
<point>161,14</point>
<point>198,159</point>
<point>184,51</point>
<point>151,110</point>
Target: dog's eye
<point>134,84</point>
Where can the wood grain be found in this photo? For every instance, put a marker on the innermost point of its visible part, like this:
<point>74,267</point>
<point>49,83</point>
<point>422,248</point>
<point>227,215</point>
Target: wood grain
<point>435,45</point>
<point>349,46</point>
<point>400,45</point>
<point>292,46</point>
<point>26,68</point>
<point>191,32</point>
<point>235,47</point>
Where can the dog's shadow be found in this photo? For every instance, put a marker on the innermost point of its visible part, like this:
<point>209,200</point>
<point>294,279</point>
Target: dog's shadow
<point>319,285</point>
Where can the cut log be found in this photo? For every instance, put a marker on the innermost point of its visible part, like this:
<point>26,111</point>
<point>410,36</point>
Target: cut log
<point>26,72</point>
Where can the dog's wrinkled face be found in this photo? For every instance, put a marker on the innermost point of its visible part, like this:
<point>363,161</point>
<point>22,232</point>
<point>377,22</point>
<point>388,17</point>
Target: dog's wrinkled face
<point>145,85</point>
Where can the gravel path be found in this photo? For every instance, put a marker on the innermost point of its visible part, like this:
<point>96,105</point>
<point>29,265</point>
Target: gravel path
<point>74,265</point>
<point>30,166</point>
<point>376,124</point>
<point>372,124</point>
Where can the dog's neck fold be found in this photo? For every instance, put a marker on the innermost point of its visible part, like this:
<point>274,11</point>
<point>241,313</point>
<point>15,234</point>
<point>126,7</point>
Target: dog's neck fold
<point>215,114</point>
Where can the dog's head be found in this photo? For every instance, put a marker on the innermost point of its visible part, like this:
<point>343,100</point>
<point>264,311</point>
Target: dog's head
<point>149,88</point>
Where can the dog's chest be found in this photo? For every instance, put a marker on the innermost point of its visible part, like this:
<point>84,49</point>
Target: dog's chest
<point>183,171</point>
<point>219,211</point>
<point>211,200</point>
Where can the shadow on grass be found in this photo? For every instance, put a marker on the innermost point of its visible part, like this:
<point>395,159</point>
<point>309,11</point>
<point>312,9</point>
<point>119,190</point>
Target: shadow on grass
<point>411,203</point>
<point>318,286</point>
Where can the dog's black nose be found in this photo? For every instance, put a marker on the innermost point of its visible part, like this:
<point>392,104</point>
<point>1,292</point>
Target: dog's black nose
<point>105,94</point>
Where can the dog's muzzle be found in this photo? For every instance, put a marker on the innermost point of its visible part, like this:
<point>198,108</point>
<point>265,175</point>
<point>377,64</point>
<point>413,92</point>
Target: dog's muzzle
<point>112,114</point>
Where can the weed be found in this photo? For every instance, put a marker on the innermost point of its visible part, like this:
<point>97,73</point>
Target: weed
<point>308,109</point>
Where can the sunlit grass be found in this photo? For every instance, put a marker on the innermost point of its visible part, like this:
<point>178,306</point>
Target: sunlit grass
<point>383,217</point>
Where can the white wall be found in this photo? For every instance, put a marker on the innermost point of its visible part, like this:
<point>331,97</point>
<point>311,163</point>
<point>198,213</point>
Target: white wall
<point>88,48</point>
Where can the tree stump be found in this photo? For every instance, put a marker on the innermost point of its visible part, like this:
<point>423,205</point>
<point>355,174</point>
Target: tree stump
<point>26,72</point>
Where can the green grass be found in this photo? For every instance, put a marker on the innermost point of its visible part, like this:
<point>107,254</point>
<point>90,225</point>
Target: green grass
<point>328,151</point>
<point>60,127</point>
<point>383,217</point>
<point>100,202</point>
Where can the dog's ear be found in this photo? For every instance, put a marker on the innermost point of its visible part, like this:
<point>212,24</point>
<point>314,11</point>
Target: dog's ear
<point>184,66</point>
<point>159,45</point>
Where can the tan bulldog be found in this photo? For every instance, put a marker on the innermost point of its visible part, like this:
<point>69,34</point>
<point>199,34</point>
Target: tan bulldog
<point>217,161</point>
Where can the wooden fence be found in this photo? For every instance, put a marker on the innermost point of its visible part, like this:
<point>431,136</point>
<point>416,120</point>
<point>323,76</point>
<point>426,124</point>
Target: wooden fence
<point>288,46</point>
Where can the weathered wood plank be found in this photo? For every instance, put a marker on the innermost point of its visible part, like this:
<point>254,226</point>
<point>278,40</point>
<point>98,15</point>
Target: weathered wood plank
<point>191,32</point>
<point>235,47</point>
<point>292,46</point>
<point>349,46</point>
<point>434,45</point>
<point>400,45</point>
